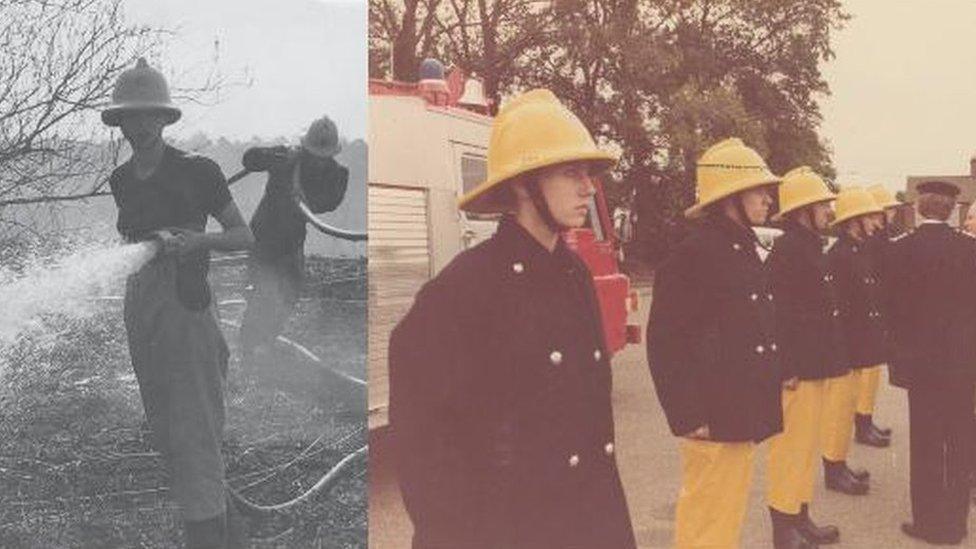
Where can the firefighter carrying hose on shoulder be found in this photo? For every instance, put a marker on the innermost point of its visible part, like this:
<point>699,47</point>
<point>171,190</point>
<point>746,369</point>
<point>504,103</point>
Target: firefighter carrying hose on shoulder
<point>712,349</point>
<point>858,218</point>
<point>276,268</point>
<point>500,382</point>
<point>811,348</point>
<point>177,349</point>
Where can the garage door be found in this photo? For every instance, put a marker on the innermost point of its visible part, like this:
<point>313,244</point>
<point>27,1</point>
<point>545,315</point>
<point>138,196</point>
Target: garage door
<point>399,263</point>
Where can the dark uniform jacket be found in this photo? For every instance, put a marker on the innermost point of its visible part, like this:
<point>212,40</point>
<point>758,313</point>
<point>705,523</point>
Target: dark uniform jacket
<point>711,343</point>
<point>500,404</point>
<point>278,225</point>
<point>861,298</point>
<point>808,327</point>
<point>932,289</point>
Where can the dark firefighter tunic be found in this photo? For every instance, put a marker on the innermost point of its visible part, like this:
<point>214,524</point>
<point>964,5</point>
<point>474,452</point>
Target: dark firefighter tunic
<point>711,341</point>
<point>177,350</point>
<point>861,300</point>
<point>500,404</point>
<point>808,326</point>
<point>932,280</point>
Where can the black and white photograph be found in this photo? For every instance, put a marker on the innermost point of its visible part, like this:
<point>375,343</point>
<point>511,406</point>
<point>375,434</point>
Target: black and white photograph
<point>183,279</point>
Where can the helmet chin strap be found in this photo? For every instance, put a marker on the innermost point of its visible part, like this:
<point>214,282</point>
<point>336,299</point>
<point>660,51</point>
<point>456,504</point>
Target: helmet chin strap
<point>740,207</point>
<point>541,206</point>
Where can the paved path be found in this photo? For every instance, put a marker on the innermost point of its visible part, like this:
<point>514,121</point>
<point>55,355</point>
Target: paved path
<point>649,464</point>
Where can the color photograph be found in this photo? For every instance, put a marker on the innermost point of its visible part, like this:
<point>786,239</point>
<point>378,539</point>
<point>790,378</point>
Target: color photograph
<point>661,273</point>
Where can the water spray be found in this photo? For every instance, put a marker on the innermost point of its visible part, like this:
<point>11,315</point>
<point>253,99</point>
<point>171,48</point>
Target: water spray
<point>63,288</point>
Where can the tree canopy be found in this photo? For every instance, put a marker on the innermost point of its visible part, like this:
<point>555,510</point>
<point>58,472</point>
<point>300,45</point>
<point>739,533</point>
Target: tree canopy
<point>660,80</point>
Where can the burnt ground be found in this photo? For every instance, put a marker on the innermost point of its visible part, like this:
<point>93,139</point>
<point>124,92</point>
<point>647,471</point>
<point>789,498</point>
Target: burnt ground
<point>76,466</point>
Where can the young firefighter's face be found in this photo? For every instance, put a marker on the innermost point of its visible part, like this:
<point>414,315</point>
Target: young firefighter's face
<point>567,189</point>
<point>874,223</point>
<point>142,129</point>
<point>756,204</point>
<point>823,214</point>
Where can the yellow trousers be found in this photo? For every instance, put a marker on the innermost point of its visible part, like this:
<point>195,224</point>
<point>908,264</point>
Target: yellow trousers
<point>867,391</point>
<point>794,453</point>
<point>715,480</point>
<point>840,404</point>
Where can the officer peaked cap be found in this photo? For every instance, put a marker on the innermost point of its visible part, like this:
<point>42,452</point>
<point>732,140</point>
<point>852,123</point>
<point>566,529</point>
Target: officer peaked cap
<point>939,187</point>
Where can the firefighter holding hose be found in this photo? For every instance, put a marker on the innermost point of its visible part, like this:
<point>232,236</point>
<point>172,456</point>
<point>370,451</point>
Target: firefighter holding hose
<point>177,349</point>
<point>309,174</point>
<point>712,349</point>
<point>500,382</point>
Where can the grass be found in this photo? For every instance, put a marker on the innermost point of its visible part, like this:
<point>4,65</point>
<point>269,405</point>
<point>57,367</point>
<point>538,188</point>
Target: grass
<point>76,466</point>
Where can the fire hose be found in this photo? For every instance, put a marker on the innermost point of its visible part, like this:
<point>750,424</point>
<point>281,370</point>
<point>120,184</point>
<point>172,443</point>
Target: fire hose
<point>310,217</point>
<point>327,481</point>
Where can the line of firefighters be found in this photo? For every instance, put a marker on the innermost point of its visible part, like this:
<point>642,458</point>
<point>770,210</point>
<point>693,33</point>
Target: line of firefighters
<point>500,385</point>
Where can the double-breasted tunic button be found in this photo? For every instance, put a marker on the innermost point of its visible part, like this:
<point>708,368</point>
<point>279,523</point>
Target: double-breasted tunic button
<point>754,297</point>
<point>574,460</point>
<point>769,296</point>
<point>518,267</point>
<point>760,349</point>
<point>556,358</point>
<point>608,449</point>
<point>597,355</point>
<point>836,313</point>
<point>772,346</point>
<point>736,246</point>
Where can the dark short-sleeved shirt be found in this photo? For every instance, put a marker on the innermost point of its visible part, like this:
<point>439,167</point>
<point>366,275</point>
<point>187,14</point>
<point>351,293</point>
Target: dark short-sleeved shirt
<point>183,191</point>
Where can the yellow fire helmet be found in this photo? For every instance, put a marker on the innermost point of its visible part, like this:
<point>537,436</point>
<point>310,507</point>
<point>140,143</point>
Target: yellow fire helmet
<point>532,131</point>
<point>801,187</point>
<point>853,202</point>
<point>883,197</point>
<point>141,88</point>
<point>727,168</point>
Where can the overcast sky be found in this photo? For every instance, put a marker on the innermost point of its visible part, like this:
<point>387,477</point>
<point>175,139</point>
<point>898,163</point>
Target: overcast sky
<point>306,58</point>
<point>904,90</point>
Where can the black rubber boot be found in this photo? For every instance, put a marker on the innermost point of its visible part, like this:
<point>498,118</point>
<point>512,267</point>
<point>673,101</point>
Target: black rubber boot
<point>786,535</point>
<point>866,433</point>
<point>882,431</point>
<point>822,535</point>
<point>860,474</point>
<point>839,478</point>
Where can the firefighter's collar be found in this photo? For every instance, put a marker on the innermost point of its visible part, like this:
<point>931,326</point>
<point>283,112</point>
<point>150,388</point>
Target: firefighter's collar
<point>524,250</point>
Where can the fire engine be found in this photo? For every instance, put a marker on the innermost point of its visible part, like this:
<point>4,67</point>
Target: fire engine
<point>428,145</point>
